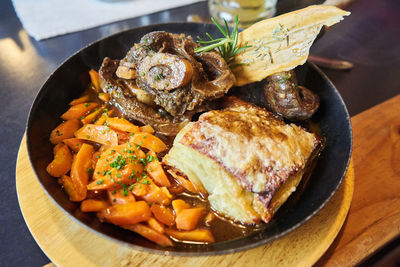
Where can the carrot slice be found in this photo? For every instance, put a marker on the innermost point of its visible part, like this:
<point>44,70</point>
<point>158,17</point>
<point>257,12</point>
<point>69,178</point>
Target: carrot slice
<point>116,165</point>
<point>158,195</point>
<point>187,219</point>
<point>74,143</point>
<point>184,182</point>
<point>150,234</point>
<point>120,196</point>
<point>69,187</point>
<point>129,213</point>
<point>81,165</point>
<point>91,117</point>
<point>179,204</point>
<point>156,225</point>
<point>148,141</point>
<point>146,129</point>
<point>155,170</point>
<point>104,97</point>
<point>98,133</point>
<point>122,125</point>
<point>80,100</point>
<point>123,137</point>
<point>64,131</point>
<point>163,214</point>
<point>61,163</point>
<point>93,205</point>
<point>139,189</point>
<point>199,235</point>
<point>79,110</point>
<point>57,147</point>
<point>103,118</point>
<point>95,78</point>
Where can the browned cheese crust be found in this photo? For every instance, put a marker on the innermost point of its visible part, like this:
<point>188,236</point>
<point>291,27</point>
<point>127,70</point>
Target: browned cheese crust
<point>251,144</point>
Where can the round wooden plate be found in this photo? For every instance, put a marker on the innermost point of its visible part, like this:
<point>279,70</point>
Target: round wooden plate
<point>68,243</point>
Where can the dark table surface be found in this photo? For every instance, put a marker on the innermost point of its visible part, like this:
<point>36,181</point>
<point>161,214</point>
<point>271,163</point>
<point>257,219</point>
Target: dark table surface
<point>370,38</point>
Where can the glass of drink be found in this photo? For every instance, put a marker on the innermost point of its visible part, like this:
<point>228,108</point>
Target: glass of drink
<point>249,11</point>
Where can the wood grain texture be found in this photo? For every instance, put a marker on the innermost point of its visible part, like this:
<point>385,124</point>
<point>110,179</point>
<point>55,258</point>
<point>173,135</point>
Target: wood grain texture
<point>67,243</point>
<point>374,216</point>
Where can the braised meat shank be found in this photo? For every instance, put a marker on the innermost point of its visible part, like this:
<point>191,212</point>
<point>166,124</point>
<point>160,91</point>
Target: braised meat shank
<point>180,80</point>
<point>172,82</point>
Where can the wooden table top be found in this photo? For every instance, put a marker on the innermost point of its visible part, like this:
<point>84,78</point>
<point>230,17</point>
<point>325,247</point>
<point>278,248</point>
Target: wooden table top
<point>374,216</point>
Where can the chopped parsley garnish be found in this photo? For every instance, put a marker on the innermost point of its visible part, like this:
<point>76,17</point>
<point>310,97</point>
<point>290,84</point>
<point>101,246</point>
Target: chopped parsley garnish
<point>125,191</point>
<point>118,163</point>
<point>100,182</point>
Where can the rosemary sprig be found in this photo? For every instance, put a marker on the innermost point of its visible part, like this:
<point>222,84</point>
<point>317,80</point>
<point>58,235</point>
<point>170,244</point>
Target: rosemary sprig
<point>227,45</point>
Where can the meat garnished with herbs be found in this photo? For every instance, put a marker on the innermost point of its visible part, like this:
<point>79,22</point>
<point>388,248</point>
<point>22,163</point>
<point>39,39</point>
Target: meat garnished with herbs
<point>180,80</point>
<point>171,82</point>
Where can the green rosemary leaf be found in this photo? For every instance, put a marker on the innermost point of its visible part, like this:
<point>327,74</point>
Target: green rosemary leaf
<point>227,46</point>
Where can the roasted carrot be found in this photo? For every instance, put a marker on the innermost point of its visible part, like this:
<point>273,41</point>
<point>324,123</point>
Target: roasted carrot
<point>64,131</point>
<point>184,182</point>
<point>128,213</point>
<point>74,143</point>
<point>79,110</point>
<point>80,170</point>
<point>93,205</point>
<point>187,219</point>
<point>95,79</point>
<point>156,225</point>
<point>155,170</point>
<point>98,133</point>
<point>146,129</point>
<point>123,137</point>
<point>95,158</point>
<point>158,195</point>
<point>179,204</point>
<point>105,97</point>
<point>140,189</point>
<point>91,117</point>
<point>80,100</point>
<point>163,214</point>
<point>103,118</point>
<point>57,147</point>
<point>120,196</point>
<point>148,141</point>
<point>61,163</point>
<point>121,124</point>
<point>69,187</point>
<point>116,165</point>
<point>150,234</point>
<point>199,235</point>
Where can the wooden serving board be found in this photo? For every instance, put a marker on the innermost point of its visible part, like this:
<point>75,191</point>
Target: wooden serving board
<point>374,216</point>
<point>68,243</point>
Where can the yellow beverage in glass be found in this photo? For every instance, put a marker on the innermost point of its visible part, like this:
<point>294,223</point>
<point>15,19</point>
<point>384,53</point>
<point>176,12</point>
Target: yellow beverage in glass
<point>249,11</point>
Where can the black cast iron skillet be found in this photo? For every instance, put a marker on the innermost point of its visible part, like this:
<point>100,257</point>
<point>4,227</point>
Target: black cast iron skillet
<point>71,78</point>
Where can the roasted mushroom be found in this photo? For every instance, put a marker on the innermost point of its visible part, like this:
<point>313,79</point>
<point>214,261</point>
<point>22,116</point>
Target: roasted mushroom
<point>285,97</point>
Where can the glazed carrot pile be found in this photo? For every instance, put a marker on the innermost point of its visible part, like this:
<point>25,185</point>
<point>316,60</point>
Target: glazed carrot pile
<point>112,167</point>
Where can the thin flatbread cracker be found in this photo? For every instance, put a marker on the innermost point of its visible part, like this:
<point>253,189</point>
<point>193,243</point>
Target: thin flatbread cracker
<point>281,43</point>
